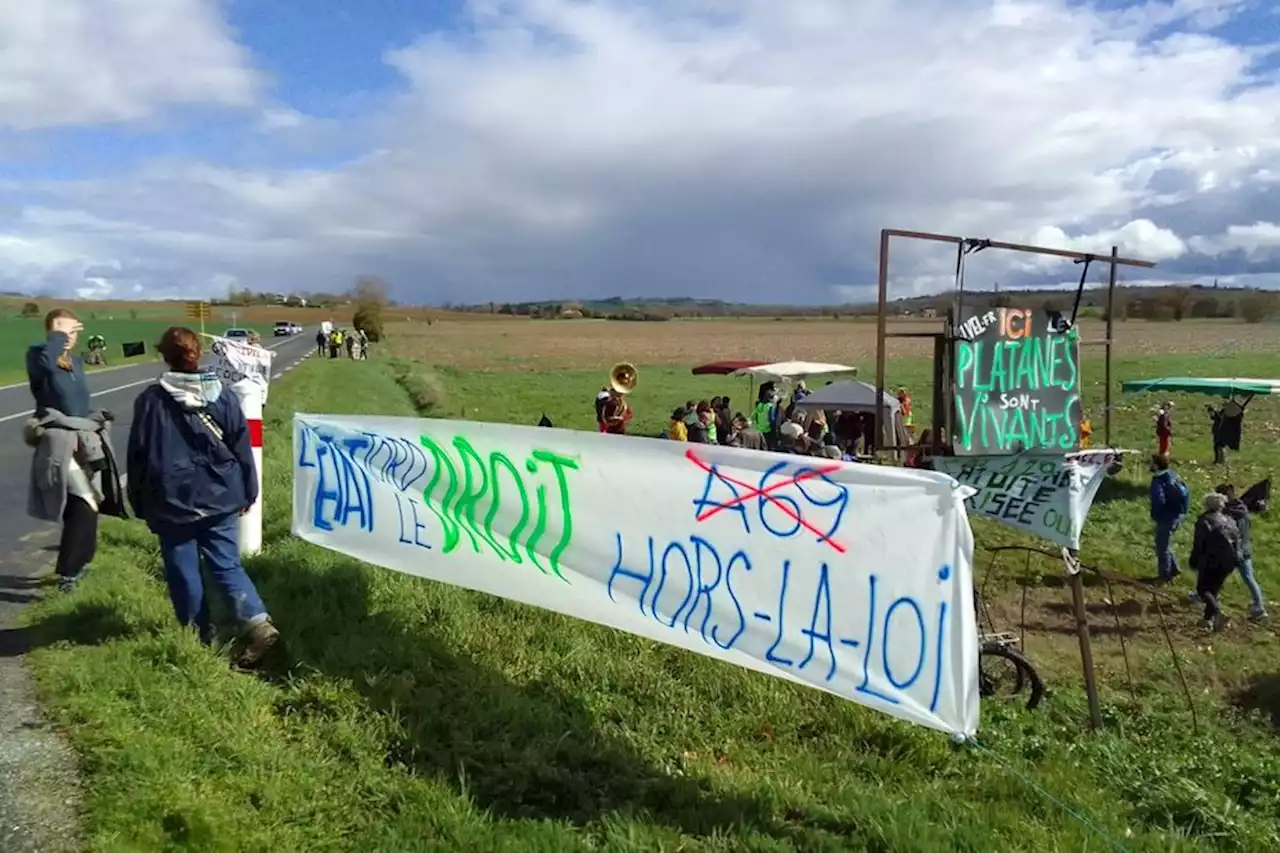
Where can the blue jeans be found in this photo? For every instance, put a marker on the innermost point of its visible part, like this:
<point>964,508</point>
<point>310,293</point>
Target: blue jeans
<point>1255,591</point>
<point>1166,562</point>
<point>217,540</point>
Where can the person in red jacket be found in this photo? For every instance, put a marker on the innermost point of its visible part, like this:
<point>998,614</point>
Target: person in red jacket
<point>1164,429</point>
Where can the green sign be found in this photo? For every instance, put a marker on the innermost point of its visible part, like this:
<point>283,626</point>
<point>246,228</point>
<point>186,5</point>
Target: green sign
<point>1017,382</point>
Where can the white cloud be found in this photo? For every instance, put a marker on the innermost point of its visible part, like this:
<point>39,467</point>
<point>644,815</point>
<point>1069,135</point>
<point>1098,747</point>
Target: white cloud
<point>749,149</point>
<point>75,62</point>
<point>1259,240</point>
<point>281,118</point>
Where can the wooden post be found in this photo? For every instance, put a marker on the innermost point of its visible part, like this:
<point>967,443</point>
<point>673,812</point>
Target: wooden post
<point>882,298</point>
<point>1071,562</point>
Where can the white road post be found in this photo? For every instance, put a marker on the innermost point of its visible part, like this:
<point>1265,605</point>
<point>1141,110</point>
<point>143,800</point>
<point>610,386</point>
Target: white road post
<point>251,396</point>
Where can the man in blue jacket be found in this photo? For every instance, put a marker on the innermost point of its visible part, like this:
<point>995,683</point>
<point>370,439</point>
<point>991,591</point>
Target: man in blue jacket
<point>1170,501</point>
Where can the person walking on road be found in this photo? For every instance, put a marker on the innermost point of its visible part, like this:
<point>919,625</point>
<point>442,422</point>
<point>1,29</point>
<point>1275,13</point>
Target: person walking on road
<point>321,340</point>
<point>73,471</point>
<point>191,477</point>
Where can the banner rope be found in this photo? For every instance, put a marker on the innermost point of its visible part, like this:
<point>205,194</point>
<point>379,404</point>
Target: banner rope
<point>1114,843</point>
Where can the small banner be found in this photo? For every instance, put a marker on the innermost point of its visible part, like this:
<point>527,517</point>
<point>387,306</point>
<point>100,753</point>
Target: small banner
<point>853,579</point>
<point>237,361</point>
<point>1045,495</point>
<point>1017,383</point>
<point>132,349</point>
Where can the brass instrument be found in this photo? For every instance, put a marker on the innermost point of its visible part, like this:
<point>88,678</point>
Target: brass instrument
<point>623,377</point>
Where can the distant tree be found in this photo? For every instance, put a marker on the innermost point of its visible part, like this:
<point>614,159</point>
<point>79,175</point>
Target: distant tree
<point>1178,301</point>
<point>370,289</point>
<point>1206,307</point>
<point>1119,307</point>
<point>31,309</point>
<point>368,319</point>
<point>1001,300</point>
<point>1257,307</point>
<point>369,295</point>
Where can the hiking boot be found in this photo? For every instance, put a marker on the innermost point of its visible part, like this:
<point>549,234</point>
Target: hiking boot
<point>1257,615</point>
<point>257,642</point>
<point>1219,623</point>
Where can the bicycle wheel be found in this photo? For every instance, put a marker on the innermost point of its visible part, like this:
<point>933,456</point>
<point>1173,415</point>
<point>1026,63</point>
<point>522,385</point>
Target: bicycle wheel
<point>1005,671</point>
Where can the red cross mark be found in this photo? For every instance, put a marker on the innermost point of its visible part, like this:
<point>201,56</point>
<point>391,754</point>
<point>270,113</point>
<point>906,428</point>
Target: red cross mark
<point>767,494</point>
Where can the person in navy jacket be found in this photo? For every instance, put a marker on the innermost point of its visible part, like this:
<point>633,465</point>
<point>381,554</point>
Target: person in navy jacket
<point>191,476</point>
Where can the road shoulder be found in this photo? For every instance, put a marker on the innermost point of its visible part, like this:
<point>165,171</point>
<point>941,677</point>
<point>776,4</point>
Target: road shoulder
<point>40,784</point>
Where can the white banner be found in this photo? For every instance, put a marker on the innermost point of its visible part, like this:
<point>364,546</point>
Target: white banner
<point>237,361</point>
<point>854,579</point>
<point>1046,495</point>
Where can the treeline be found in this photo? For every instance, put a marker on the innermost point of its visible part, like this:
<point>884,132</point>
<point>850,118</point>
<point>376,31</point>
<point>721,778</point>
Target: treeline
<point>1172,305</point>
<point>645,310</point>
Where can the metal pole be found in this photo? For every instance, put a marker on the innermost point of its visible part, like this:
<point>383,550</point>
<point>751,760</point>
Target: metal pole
<point>881,331</point>
<point>1111,319</point>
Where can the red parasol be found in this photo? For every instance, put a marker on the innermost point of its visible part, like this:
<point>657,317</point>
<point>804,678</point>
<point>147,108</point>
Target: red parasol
<point>724,368</point>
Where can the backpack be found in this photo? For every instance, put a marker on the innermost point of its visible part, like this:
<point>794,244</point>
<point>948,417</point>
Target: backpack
<point>1181,496</point>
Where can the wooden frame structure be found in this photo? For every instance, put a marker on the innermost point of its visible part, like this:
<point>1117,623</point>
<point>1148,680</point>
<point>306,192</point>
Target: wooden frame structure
<point>944,342</point>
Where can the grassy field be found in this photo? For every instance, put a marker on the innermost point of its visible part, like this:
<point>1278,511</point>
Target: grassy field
<point>405,715</point>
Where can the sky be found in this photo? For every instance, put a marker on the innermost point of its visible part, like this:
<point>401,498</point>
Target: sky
<point>749,150</point>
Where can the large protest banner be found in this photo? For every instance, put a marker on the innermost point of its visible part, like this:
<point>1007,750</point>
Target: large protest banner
<point>1017,382</point>
<point>854,579</point>
<point>1045,495</point>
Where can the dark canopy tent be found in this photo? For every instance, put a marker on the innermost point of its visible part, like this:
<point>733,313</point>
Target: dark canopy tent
<point>852,395</point>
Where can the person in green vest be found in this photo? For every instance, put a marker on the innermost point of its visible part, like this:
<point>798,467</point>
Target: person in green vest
<point>904,402</point>
<point>763,414</point>
<point>708,416</point>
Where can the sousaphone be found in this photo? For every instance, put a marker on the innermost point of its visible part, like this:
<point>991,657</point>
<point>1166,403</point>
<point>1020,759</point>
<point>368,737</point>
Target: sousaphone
<point>623,377</point>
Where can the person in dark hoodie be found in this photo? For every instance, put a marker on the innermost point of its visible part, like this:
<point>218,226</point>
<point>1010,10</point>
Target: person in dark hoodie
<point>1215,553</point>
<point>191,476</point>
<point>66,486</point>
<point>1239,513</point>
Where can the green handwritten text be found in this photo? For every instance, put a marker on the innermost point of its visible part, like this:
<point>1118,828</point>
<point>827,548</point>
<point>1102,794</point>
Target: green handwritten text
<point>500,505</point>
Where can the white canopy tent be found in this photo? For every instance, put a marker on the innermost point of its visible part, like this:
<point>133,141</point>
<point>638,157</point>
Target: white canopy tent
<point>794,371</point>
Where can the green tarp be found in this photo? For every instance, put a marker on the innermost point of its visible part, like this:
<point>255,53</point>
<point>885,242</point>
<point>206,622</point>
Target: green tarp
<point>1195,385</point>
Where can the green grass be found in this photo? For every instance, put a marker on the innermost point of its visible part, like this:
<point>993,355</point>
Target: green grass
<point>17,334</point>
<point>406,715</point>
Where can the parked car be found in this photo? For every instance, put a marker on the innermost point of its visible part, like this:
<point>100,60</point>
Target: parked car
<point>283,330</point>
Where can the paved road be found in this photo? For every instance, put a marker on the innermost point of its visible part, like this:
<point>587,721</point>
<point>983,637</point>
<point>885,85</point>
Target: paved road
<point>25,543</point>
